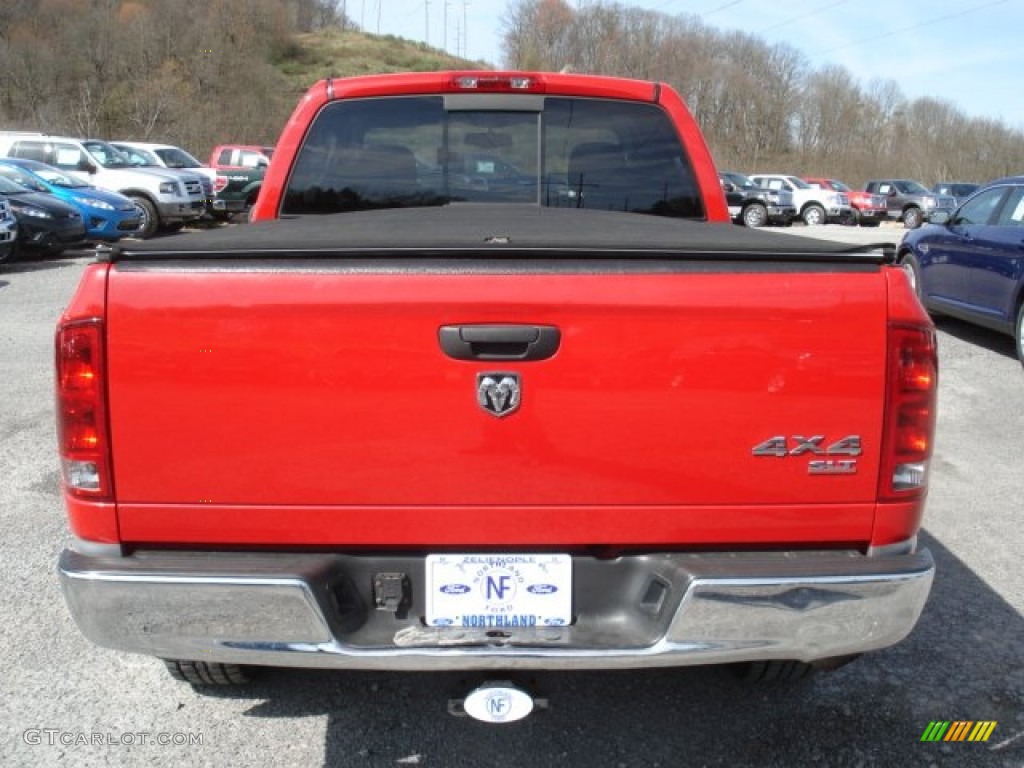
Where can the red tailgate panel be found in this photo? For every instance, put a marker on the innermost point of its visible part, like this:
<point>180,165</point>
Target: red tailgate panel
<point>330,391</point>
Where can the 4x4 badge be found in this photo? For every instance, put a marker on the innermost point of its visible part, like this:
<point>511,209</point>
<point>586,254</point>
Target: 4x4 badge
<point>498,393</point>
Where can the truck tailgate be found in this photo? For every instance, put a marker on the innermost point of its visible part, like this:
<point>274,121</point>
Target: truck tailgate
<point>317,404</point>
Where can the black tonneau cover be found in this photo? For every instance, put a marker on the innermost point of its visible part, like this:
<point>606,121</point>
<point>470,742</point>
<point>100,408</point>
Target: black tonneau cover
<point>498,231</point>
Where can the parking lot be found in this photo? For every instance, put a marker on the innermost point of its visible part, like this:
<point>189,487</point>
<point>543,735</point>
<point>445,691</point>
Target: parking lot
<point>68,702</point>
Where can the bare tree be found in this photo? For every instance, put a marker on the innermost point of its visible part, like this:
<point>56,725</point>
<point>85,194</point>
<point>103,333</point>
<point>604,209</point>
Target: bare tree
<point>762,106</point>
<point>198,74</point>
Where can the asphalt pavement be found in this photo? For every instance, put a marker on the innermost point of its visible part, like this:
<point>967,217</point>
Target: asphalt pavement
<point>67,702</point>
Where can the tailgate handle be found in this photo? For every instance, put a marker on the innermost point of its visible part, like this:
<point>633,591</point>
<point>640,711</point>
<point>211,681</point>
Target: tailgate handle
<point>499,342</point>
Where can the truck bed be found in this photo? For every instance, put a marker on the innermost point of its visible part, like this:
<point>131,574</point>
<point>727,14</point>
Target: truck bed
<point>270,386</point>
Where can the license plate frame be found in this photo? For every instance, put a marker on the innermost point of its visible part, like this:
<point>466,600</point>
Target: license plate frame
<point>498,591</point>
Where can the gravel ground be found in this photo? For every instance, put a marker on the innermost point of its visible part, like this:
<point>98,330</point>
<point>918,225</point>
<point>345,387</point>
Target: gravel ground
<point>66,702</point>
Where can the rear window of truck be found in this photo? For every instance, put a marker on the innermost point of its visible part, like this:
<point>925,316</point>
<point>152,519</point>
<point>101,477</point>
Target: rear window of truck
<point>399,152</point>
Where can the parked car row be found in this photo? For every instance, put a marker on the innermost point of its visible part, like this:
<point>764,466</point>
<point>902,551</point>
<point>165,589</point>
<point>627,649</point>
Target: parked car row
<point>235,171</point>
<point>58,191</point>
<point>107,216</point>
<point>44,223</point>
<point>866,209</point>
<point>164,199</point>
<point>778,198</point>
<point>753,205</point>
<point>963,251</point>
<point>820,200</point>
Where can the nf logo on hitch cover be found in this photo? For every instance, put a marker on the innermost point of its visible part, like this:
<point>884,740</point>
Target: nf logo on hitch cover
<point>498,393</point>
<point>498,702</point>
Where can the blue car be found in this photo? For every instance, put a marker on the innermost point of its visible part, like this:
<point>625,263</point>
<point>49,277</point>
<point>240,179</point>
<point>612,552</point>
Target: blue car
<point>108,216</point>
<point>969,263</point>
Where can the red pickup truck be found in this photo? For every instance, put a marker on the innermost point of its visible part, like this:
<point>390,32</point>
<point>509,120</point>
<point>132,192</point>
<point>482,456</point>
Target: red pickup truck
<point>239,171</point>
<point>493,384</point>
<point>868,210</point>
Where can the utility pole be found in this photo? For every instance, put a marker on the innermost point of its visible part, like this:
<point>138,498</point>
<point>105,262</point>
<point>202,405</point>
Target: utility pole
<point>465,29</point>
<point>426,6</point>
<point>444,36</point>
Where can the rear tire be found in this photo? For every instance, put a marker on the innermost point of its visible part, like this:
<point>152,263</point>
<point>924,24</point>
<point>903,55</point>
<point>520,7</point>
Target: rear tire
<point>774,671</point>
<point>1020,333</point>
<point>813,215</point>
<point>913,270</point>
<point>207,672</point>
<point>912,218</point>
<point>755,215</point>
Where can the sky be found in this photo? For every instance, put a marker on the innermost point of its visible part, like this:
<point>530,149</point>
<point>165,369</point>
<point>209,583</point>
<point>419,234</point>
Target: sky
<point>969,53</point>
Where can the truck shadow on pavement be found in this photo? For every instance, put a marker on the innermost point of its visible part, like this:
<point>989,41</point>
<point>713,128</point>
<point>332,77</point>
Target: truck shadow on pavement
<point>1000,343</point>
<point>963,661</point>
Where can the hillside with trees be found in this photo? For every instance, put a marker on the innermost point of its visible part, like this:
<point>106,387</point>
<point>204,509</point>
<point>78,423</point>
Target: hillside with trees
<point>189,73</point>
<point>200,73</point>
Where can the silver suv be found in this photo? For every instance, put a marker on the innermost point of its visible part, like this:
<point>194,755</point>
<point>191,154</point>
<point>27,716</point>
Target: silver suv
<point>150,156</point>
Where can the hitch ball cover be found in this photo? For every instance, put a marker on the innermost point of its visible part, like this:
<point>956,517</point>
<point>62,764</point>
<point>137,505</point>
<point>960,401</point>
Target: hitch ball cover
<point>498,703</point>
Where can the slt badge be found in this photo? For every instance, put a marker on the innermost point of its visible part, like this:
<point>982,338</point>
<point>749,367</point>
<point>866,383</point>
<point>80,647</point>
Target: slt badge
<point>498,393</point>
<point>782,446</point>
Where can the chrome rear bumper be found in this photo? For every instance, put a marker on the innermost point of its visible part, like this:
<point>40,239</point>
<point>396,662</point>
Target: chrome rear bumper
<point>671,609</point>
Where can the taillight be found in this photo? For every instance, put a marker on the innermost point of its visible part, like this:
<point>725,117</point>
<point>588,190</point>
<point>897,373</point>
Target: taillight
<point>911,399</point>
<point>81,410</point>
<point>220,183</point>
<point>500,82</point>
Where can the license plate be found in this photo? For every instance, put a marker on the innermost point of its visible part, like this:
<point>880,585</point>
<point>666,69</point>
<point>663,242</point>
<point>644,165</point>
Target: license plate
<point>499,591</point>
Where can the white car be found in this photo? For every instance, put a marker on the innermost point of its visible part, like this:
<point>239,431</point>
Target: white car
<point>166,156</point>
<point>815,206</point>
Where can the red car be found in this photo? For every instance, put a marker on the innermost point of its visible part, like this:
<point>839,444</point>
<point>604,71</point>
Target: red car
<point>240,156</point>
<point>868,210</point>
